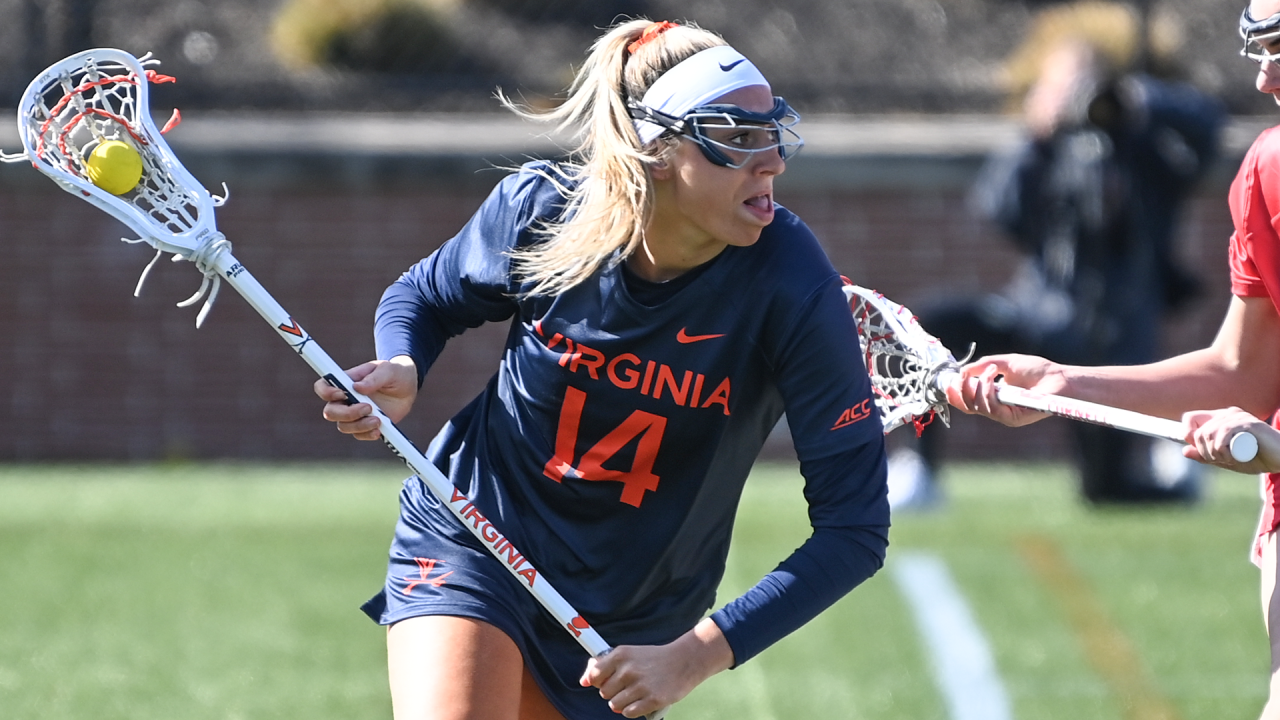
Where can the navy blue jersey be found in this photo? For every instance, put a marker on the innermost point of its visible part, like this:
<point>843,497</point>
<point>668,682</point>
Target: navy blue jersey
<point>613,443</point>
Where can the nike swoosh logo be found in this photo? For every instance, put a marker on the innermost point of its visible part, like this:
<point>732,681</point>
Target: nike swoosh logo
<point>684,339</point>
<point>732,65</point>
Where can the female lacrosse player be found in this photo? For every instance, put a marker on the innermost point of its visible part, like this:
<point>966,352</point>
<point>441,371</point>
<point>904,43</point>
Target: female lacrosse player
<point>664,313</point>
<point>1239,369</point>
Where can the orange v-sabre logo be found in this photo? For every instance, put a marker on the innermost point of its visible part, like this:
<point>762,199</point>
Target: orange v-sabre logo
<point>685,339</point>
<point>291,327</point>
<point>425,566</point>
<point>861,411</point>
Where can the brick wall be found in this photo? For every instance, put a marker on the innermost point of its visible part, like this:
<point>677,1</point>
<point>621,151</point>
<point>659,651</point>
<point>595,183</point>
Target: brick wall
<point>93,373</point>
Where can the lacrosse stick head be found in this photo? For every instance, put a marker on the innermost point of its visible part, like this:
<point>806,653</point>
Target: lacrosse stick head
<point>909,368</point>
<point>99,96</point>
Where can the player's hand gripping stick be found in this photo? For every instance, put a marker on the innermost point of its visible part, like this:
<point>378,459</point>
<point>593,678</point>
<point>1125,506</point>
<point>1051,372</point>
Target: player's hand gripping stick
<point>910,371</point>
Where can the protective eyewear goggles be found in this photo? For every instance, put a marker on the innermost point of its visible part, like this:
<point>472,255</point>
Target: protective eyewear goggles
<point>1255,33</point>
<point>730,136</point>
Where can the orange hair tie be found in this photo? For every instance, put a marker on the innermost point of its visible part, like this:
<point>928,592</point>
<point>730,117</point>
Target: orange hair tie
<point>649,34</point>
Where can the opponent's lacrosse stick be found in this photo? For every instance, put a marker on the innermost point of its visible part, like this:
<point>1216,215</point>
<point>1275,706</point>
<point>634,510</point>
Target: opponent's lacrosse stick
<point>911,370</point>
<point>101,95</point>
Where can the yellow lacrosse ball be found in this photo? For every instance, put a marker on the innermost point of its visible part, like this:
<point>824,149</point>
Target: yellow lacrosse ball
<point>114,166</point>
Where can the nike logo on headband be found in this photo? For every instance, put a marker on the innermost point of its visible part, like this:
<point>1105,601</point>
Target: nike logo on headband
<point>732,65</point>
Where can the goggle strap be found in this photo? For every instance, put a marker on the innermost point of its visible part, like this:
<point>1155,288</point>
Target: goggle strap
<point>639,111</point>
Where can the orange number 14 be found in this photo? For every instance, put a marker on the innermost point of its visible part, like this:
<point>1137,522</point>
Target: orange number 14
<point>640,477</point>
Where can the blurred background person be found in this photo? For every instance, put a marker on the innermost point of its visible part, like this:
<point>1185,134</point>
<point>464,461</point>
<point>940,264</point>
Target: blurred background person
<point>1090,196</point>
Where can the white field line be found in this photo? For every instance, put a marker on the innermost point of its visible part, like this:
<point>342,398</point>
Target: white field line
<point>959,655</point>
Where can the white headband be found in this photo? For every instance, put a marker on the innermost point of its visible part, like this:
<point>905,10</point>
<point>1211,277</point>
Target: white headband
<point>696,81</point>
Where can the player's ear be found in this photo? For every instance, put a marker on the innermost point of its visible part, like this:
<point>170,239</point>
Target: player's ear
<point>660,169</point>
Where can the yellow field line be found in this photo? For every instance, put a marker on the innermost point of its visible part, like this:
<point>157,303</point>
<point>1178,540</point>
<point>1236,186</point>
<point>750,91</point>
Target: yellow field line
<point>1105,646</point>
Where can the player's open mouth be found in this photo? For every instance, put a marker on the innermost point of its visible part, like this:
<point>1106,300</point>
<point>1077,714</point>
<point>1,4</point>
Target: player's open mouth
<point>763,203</point>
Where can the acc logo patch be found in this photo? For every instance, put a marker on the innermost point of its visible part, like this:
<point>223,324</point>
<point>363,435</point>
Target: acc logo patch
<point>861,411</point>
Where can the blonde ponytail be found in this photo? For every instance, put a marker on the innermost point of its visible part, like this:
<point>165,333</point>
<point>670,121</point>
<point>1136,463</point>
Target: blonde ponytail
<point>610,192</point>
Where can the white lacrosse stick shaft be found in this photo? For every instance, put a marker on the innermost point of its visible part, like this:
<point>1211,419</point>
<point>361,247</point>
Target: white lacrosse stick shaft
<point>529,577</point>
<point>1244,446</point>
<point>516,563</point>
<point>105,91</point>
<point>291,332</point>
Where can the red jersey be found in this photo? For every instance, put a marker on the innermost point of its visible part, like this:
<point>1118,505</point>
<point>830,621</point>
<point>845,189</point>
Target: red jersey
<point>1255,257</point>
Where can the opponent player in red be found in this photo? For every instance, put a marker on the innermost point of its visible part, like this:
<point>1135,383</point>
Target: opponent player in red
<point>1240,371</point>
<point>664,312</point>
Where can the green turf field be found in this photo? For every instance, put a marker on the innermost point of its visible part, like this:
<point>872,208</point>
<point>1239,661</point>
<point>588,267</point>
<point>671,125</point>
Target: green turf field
<point>229,592</point>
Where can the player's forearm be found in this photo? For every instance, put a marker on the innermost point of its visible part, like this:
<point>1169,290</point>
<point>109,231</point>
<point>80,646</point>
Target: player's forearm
<point>1225,374</point>
<point>405,326</point>
<point>705,650</point>
<point>1238,369</point>
<point>1193,381</point>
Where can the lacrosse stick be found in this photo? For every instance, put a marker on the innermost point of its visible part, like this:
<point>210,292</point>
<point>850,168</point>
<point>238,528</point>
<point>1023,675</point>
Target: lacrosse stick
<point>101,95</point>
<point>911,370</point>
